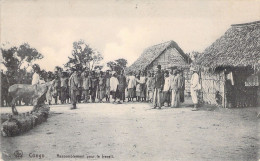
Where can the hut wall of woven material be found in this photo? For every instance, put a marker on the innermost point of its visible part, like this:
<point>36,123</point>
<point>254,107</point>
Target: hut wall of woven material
<point>169,58</point>
<point>187,75</point>
<point>258,90</point>
<point>258,96</point>
<point>210,84</point>
<point>240,93</point>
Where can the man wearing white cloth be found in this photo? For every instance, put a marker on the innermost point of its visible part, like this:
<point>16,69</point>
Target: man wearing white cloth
<point>174,85</point>
<point>114,86</point>
<point>194,88</point>
<point>36,76</point>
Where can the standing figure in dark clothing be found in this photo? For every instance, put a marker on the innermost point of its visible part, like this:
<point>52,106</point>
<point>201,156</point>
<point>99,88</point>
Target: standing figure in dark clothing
<point>64,87</point>
<point>101,87</point>
<point>4,89</point>
<point>74,84</point>
<point>94,84</point>
<point>121,87</point>
<point>107,78</point>
<point>182,86</point>
<point>158,87</point>
<point>86,84</point>
<point>56,92</point>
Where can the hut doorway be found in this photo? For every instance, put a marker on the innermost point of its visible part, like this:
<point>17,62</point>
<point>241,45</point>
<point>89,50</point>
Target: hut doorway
<point>241,88</point>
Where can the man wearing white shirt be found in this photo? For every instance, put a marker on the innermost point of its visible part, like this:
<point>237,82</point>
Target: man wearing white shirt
<point>194,88</point>
<point>131,80</point>
<point>166,89</point>
<point>114,86</point>
<point>36,76</point>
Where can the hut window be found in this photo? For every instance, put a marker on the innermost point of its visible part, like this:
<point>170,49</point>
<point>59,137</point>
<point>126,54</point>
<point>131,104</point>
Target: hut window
<point>252,81</point>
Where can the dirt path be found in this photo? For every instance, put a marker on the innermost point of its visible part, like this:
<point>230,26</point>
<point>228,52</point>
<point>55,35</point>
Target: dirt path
<point>137,132</point>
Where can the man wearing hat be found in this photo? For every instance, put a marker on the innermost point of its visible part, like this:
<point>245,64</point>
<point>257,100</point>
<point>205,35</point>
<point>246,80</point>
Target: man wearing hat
<point>159,82</point>
<point>74,83</point>
<point>194,88</point>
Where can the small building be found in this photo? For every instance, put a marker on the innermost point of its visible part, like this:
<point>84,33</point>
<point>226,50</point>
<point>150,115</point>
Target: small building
<point>230,67</point>
<point>167,54</point>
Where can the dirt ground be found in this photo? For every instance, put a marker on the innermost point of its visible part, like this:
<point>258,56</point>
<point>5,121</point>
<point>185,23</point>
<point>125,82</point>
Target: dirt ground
<point>135,131</point>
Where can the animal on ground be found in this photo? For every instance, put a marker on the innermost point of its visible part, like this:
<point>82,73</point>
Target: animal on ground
<point>36,92</point>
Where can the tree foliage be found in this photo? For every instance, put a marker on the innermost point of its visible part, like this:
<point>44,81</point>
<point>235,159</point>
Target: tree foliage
<point>83,55</point>
<point>194,55</point>
<point>117,65</point>
<point>16,57</point>
<point>27,54</point>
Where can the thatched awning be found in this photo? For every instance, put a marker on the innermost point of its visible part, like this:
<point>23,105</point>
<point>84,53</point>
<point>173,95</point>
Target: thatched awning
<point>238,47</point>
<point>153,52</point>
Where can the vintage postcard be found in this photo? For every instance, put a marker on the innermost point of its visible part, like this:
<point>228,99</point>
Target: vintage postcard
<point>130,80</point>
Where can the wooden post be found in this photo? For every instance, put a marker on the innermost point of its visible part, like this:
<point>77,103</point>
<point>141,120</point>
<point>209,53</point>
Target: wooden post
<point>201,90</point>
<point>258,96</point>
<point>224,90</point>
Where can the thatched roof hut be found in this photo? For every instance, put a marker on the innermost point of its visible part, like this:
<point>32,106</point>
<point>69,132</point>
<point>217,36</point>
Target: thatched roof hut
<point>175,57</point>
<point>238,47</point>
<point>229,75</point>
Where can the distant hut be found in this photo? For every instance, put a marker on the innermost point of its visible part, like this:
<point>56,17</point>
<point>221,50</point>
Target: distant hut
<point>230,67</point>
<point>167,54</point>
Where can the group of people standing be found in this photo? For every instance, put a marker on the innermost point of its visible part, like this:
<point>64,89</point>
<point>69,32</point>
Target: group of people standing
<point>168,88</point>
<point>161,88</point>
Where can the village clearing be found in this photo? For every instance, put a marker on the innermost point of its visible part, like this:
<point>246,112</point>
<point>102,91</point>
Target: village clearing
<point>135,131</point>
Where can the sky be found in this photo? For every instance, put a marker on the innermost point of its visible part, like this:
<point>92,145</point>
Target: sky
<point>117,28</point>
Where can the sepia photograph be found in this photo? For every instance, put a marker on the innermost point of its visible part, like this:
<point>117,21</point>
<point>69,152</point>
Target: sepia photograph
<point>120,80</point>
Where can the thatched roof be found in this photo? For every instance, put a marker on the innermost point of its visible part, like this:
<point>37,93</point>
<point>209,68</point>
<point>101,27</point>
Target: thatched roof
<point>153,52</point>
<point>238,47</point>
